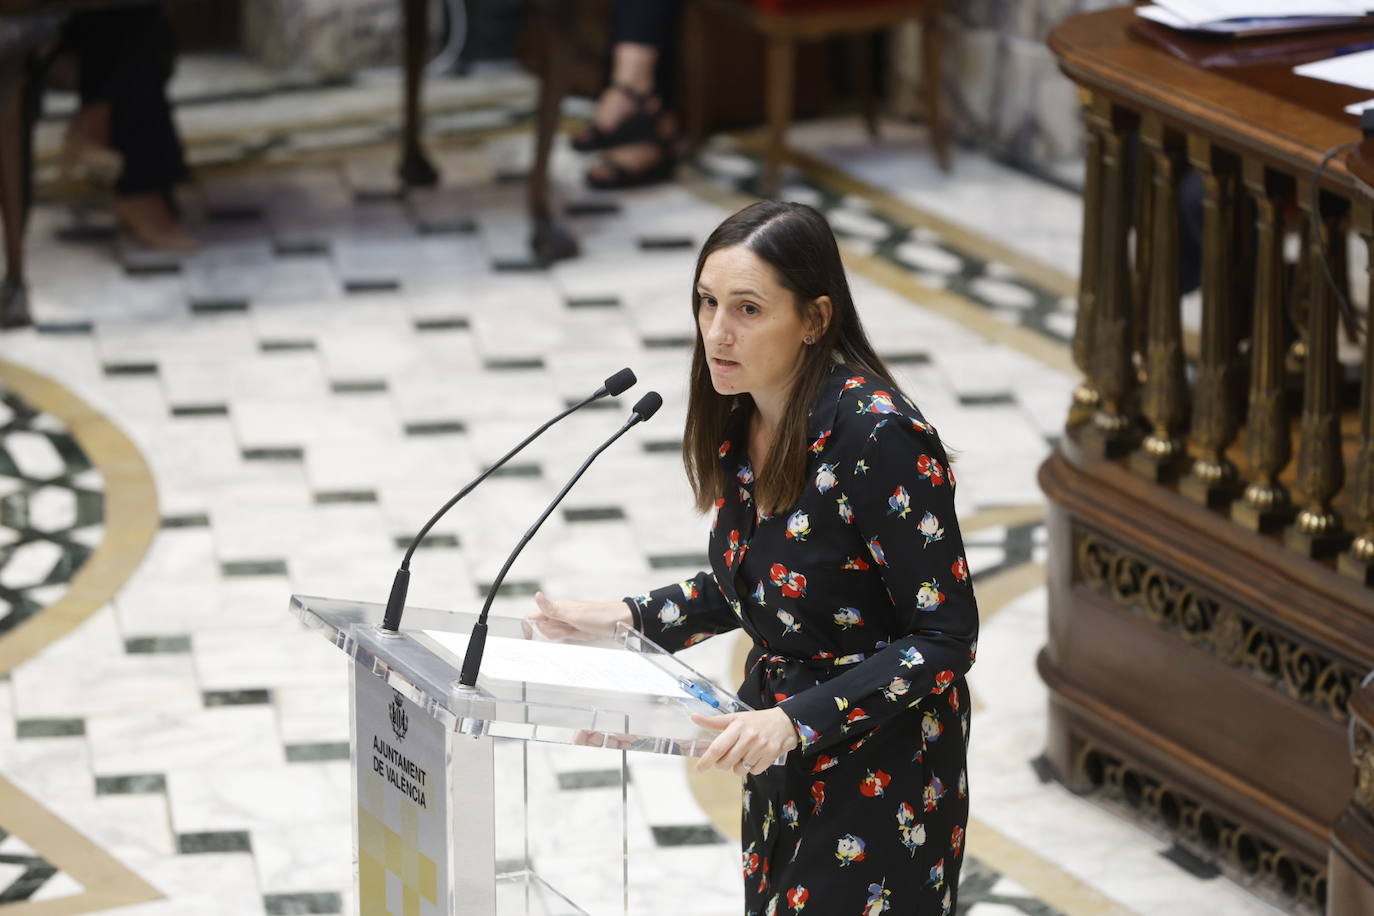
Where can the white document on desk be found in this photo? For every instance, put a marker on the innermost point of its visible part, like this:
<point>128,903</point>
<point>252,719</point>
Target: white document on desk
<point>1197,12</point>
<point>1163,16</point>
<point>564,664</point>
<point>1348,69</point>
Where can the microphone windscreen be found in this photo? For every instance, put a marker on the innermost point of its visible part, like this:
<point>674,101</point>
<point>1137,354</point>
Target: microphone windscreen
<point>621,381</point>
<point>648,405</point>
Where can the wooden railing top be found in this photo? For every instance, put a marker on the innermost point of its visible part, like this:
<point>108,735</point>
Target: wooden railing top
<point>1262,109</point>
<point>1360,162</point>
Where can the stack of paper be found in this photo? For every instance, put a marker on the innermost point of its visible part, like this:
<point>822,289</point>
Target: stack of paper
<point>1240,16</point>
<point>1351,69</point>
<point>1347,69</point>
<point>1235,17</point>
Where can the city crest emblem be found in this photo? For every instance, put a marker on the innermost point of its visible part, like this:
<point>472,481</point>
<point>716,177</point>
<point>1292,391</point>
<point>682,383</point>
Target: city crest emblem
<point>399,721</point>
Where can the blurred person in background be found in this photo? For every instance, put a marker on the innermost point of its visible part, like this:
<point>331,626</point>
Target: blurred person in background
<point>633,124</point>
<point>124,58</point>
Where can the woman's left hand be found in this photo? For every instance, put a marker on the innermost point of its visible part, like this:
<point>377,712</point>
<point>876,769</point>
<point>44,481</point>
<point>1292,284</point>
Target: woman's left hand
<point>749,742</point>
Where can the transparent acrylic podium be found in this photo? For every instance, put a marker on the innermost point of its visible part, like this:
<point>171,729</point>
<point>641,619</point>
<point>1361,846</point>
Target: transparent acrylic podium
<point>450,817</point>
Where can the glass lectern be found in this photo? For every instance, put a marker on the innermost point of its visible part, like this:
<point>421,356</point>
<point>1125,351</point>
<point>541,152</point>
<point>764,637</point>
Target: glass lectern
<point>448,816</point>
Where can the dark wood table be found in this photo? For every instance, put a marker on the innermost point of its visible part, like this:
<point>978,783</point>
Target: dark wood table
<point>27,25</point>
<point>1211,527</point>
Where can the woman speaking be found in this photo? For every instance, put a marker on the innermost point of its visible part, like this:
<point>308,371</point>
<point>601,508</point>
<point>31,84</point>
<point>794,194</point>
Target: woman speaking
<point>835,547</point>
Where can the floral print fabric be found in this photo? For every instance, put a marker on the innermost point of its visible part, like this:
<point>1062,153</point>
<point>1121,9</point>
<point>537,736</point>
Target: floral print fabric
<point>860,606</point>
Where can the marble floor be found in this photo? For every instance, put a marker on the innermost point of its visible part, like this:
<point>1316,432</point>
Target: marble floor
<point>186,444</point>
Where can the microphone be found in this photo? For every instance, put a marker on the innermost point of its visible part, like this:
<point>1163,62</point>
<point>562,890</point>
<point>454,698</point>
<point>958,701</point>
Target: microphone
<point>396,602</point>
<point>645,408</point>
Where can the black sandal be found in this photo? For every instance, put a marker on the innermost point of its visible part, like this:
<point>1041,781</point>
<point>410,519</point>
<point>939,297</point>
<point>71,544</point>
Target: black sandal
<point>622,178</point>
<point>638,126</point>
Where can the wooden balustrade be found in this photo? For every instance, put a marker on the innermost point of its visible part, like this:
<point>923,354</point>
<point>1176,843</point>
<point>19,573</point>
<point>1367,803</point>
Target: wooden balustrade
<point>1136,380</point>
<point>1211,506</point>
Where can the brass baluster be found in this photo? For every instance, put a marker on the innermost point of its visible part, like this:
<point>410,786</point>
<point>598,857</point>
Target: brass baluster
<point>1358,561</point>
<point>1242,297</point>
<point>1212,480</point>
<point>1165,392</point>
<point>1085,397</point>
<point>1300,307</point>
<point>1143,245</point>
<point>1321,470</point>
<point>1112,431</point>
<point>1265,505</point>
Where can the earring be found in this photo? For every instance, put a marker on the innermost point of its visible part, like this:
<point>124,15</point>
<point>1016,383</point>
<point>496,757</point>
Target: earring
<point>808,340</point>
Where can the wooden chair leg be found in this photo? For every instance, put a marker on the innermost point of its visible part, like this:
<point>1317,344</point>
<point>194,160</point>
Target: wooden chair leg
<point>930,59</point>
<point>415,169</point>
<point>694,64</point>
<point>550,240</point>
<point>782,59</point>
<point>861,64</point>
<point>14,137</point>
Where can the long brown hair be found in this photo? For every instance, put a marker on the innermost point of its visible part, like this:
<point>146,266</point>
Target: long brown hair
<point>796,241</point>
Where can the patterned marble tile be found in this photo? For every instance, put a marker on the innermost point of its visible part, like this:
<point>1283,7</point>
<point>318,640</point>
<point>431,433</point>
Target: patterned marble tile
<point>25,875</point>
<point>48,493</point>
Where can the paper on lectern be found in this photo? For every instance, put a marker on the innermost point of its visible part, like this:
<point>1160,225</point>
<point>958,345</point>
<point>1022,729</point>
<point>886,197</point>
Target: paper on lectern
<point>564,664</point>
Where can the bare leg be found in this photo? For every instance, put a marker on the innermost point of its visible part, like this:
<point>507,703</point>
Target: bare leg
<point>86,150</point>
<point>630,91</point>
<point>633,66</point>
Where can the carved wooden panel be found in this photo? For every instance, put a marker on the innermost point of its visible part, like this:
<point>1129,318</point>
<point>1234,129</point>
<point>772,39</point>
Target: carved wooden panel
<point>1201,618</point>
<point>1238,846</point>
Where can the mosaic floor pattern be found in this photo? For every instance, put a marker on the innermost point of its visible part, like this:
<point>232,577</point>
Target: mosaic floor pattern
<point>23,873</point>
<point>51,509</point>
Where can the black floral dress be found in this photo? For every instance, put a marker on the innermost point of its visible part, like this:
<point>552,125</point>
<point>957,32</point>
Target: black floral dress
<point>861,610</point>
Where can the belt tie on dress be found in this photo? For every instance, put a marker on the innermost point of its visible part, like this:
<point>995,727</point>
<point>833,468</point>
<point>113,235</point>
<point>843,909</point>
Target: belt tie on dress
<point>814,662</point>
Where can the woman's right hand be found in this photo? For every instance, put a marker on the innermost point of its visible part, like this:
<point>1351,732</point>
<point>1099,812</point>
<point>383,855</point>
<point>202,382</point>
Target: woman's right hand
<point>568,620</point>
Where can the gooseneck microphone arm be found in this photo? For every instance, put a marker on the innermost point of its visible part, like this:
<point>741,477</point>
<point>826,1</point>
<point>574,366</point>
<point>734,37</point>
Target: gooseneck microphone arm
<point>646,407</point>
<point>400,585</point>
